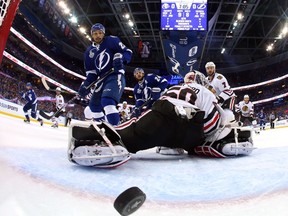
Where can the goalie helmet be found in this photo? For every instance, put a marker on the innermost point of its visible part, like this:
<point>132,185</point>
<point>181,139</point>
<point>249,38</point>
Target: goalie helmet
<point>210,64</point>
<point>190,77</point>
<point>97,26</point>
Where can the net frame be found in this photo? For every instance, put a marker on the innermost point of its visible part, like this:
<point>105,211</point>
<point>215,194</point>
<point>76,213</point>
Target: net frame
<point>8,10</point>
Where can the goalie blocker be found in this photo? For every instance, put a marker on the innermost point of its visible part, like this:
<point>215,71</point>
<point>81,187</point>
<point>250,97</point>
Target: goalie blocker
<point>161,126</point>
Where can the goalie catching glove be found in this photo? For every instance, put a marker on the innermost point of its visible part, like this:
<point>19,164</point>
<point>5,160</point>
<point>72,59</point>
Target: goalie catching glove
<point>91,145</point>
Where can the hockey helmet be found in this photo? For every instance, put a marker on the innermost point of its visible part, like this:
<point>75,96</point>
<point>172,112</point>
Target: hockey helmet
<point>58,89</point>
<point>138,70</point>
<point>246,96</point>
<point>97,26</point>
<point>124,102</point>
<point>210,64</point>
<point>190,77</point>
<point>28,84</point>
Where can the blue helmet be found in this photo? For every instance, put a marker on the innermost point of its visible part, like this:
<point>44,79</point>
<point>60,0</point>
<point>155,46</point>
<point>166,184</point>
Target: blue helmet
<point>138,70</point>
<point>28,84</point>
<point>97,26</point>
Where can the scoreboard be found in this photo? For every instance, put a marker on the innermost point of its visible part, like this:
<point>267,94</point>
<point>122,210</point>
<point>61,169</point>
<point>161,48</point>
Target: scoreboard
<point>184,15</point>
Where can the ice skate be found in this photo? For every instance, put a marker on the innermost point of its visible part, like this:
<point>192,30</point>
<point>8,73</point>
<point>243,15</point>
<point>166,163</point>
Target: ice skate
<point>27,121</point>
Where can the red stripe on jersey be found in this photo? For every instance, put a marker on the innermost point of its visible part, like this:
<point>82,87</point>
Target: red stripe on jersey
<point>212,123</point>
<point>232,103</point>
<point>128,123</point>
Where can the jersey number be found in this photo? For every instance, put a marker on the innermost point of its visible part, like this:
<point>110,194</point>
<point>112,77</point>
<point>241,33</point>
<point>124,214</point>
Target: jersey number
<point>224,84</point>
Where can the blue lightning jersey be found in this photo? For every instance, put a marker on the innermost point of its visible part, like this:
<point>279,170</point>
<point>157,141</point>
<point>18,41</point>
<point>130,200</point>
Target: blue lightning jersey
<point>142,90</point>
<point>261,116</point>
<point>98,58</point>
<point>30,96</point>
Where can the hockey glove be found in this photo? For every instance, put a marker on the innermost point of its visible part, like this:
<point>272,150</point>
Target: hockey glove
<point>118,62</point>
<point>83,90</point>
<point>136,112</point>
<point>21,94</point>
<point>155,93</point>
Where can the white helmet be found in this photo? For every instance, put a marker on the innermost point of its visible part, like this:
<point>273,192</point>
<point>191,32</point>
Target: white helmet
<point>246,96</point>
<point>58,89</point>
<point>210,64</point>
<point>124,102</point>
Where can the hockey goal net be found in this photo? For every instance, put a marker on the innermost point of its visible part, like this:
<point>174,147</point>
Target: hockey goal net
<point>8,10</point>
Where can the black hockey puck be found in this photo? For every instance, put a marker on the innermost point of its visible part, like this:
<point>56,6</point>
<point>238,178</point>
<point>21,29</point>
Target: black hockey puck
<point>129,201</point>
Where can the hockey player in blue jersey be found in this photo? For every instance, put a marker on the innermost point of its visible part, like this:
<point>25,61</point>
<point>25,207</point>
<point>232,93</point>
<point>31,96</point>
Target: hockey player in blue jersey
<point>31,99</point>
<point>106,55</point>
<point>262,118</point>
<point>148,89</point>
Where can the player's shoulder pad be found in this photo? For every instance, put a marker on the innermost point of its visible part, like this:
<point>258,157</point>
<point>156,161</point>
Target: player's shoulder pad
<point>112,38</point>
<point>219,76</point>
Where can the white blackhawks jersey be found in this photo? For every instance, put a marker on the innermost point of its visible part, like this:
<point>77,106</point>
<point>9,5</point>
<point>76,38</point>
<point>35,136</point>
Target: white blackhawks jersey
<point>204,100</point>
<point>59,101</point>
<point>126,110</point>
<point>246,109</point>
<point>221,86</point>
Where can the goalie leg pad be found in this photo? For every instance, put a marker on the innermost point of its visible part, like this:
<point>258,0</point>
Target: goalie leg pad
<point>208,151</point>
<point>98,155</point>
<point>169,151</point>
<point>240,148</point>
<point>86,131</point>
<point>87,146</point>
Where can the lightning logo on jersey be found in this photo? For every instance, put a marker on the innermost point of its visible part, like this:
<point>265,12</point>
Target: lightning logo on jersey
<point>102,60</point>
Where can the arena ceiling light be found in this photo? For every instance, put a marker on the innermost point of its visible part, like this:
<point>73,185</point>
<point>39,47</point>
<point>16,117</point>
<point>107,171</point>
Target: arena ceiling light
<point>270,47</point>
<point>223,50</point>
<point>66,10</point>
<point>74,19</point>
<point>62,4</point>
<point>240,16</point>
<point>130,23</point>
<point>284,31</point>
<point>82,30</point>
<point>127,15</point>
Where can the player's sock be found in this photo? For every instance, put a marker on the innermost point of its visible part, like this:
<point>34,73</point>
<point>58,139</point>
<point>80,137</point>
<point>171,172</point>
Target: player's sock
<point>111,111</point>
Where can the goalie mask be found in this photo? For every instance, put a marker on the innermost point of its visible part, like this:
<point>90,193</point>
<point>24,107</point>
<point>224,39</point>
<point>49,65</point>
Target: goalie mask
<point>190,77</point>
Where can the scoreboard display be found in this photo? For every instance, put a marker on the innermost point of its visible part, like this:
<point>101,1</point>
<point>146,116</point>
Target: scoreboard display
<point>184,15</point>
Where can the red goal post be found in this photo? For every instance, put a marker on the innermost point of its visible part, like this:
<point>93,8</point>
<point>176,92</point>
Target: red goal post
<point>8,10</point>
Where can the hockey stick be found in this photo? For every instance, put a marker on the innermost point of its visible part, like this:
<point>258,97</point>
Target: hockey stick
<point>133,114</point>
<point>44,115</point>
<point>47,87</point>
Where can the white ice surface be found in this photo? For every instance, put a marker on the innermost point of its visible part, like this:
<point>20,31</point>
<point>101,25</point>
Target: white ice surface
<point>37,179</point>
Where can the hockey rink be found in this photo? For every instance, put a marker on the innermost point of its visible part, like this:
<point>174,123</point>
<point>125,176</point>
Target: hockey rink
<point>37,179</point>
